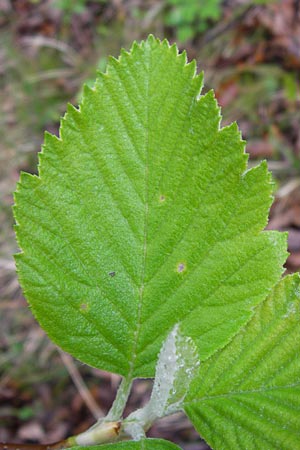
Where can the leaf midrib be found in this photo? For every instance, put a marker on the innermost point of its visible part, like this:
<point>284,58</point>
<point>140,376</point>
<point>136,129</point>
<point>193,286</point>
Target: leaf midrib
<point>145,234</point>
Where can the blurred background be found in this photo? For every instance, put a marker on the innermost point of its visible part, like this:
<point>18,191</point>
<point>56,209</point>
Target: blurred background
<point>250,52</point>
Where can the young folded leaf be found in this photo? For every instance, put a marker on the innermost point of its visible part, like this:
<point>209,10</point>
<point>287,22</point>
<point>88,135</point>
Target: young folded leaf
<point>178,363</point>
<point>144,215</point>
<point>247,395</point>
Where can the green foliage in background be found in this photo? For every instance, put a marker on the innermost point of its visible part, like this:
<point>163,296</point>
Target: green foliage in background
<point>143,245</point>
<point>70,7</point>
<point>191,17</point>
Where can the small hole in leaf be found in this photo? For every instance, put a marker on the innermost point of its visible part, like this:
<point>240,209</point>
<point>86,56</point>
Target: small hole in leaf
<point>111,274</point>
<point>181,267</point>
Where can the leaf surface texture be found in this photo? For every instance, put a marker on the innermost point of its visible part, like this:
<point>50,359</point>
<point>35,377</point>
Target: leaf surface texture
<point>144,215</point>
<point>145,444</point>
<point>247,395</point>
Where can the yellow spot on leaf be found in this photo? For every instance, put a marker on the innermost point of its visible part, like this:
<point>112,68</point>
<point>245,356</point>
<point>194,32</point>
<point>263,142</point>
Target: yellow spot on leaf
<point>84,307</point>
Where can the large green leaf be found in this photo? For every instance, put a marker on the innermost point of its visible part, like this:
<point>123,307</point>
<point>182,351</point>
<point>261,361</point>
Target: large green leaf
<point>145,444</point>
<point>247,395</point>
<point>143,216</point>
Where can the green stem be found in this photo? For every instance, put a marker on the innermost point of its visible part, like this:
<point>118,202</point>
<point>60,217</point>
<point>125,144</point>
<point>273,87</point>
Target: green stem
<point>118,406</point>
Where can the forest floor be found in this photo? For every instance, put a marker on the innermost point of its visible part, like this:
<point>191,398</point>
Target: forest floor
<point>251,57</point>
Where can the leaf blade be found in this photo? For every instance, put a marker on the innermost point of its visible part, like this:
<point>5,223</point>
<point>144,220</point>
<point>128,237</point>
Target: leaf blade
<point>247,394</point>
<point>145,444</point>
<point>116,232</point>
